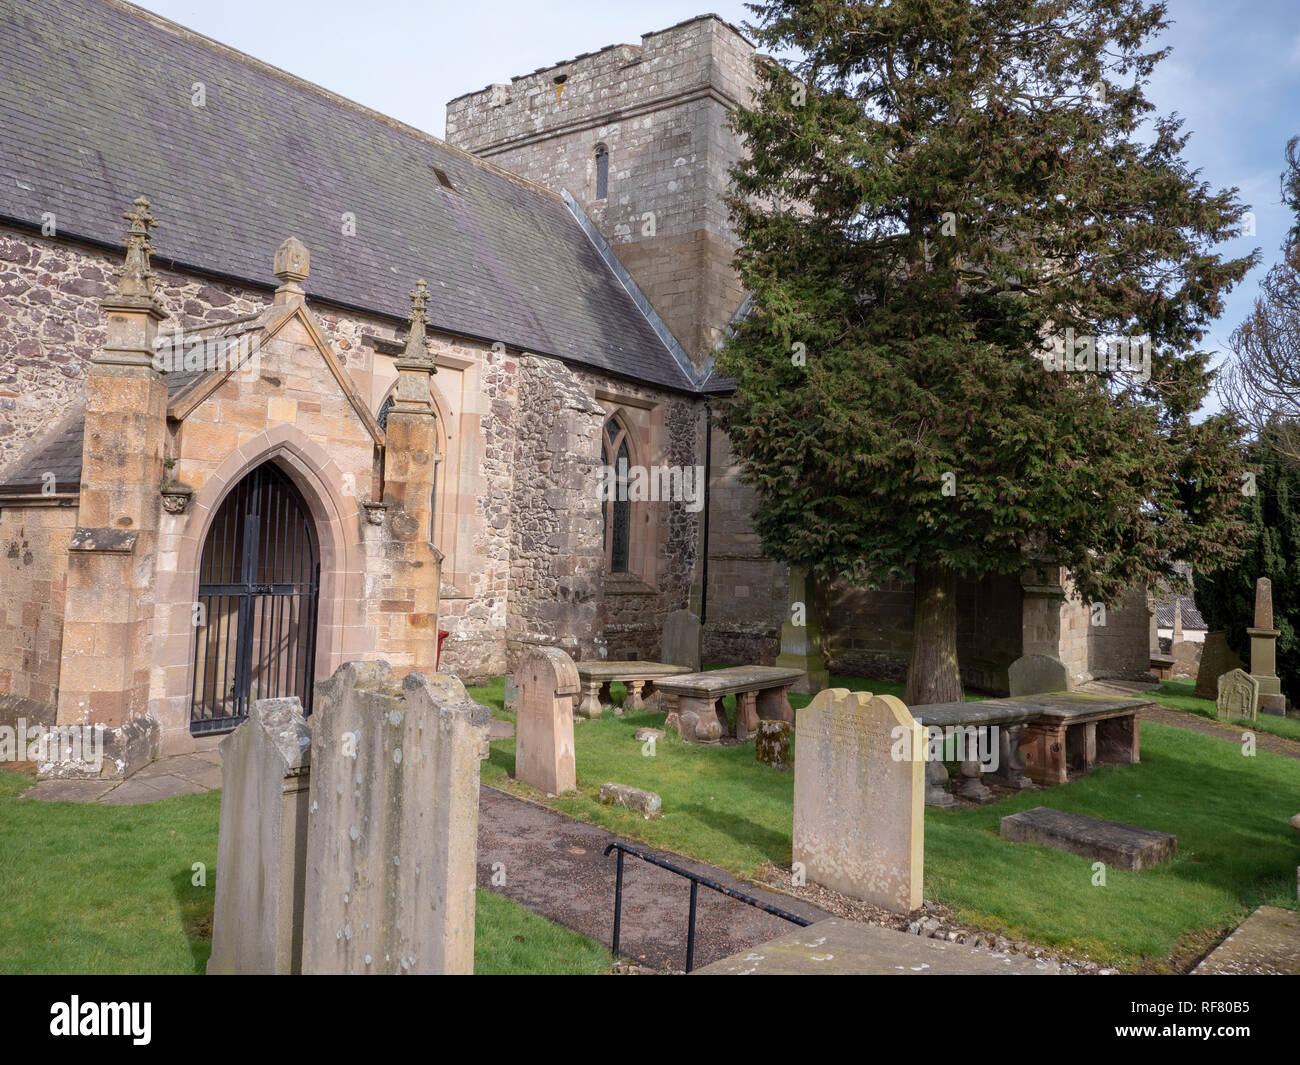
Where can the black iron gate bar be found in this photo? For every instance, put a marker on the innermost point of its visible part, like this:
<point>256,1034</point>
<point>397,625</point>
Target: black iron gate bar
<point>262,579</point>
<point>696,880</point>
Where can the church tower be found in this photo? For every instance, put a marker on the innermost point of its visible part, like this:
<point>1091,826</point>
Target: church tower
<point>638,135</point>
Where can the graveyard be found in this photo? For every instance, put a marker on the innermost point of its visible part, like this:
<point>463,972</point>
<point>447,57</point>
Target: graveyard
<point>721,806</point>
<point>771,497</point>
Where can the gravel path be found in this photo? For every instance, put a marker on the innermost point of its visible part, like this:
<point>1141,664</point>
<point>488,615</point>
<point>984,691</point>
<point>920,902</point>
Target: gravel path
<point>556,867</point>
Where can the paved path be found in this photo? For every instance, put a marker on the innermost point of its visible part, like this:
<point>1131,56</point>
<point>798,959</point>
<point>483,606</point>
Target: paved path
<point>185,774</point>
<point>556,867</point>
<point>1267,943</point>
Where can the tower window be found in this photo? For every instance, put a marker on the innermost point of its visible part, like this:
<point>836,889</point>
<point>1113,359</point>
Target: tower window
<point>602,172</point>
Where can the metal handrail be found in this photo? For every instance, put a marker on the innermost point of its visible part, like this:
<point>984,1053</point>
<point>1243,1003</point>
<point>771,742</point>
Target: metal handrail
<point>696,880</point>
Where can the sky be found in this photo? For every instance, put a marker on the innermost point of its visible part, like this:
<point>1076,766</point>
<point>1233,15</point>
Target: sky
<point>1234,73</point>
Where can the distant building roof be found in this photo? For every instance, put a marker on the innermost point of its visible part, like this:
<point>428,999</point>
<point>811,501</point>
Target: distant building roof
<point>1191,616</point>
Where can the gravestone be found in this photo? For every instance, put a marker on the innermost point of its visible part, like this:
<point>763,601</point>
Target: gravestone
<point>257,918</point>
<point>1263,651</point>
<point>683,640</point>
<point>547,682</point>
<point>859,791</point>
<point>801,644</point>
<point>1217,658</point>
<point>1037,674</point>
<point>392,834</point>
<point>1238,696</point>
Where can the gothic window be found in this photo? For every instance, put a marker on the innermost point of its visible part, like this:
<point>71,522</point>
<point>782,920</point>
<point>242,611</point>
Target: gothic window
<point>382,416</point>
<point>618,509</point>
<point>602,172</point>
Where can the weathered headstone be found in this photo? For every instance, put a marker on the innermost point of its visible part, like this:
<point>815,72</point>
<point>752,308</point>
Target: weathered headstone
<point>683,640</point>
<point>548,684</point>
<point>257,919</point>
<point>859,790</point>
<point>392,835</point>
<point>772,744</point>
<point>801,635</point>
<point>1037,674</point>
<point>1238,697</point>
<point>1217,658</point>
<point>1263,651</point>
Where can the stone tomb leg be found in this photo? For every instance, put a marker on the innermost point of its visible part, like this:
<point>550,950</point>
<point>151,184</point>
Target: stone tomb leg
<point>1043,746</point>
<point>590,706</point>
<point>1011,762</point>
<point>1118,740</point>
<point>746,714</point>
<point>774,704</point>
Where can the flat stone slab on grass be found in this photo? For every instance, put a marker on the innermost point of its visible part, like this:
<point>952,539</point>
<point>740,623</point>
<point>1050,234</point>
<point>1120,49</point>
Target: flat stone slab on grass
<point>1120,846</point>
<point>838,947</point>
<point>1267,943</point>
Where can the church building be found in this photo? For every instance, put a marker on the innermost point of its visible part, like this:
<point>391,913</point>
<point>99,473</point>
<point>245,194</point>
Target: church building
<point>285,383</point>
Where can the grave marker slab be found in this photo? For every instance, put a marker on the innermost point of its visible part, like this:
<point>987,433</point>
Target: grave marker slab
<point>1238,698</point>
<point>257,919</point>
<point>392,833</point>
<point>683,640</point>
<point>1037,674</point>
<point>1119,845</point>
<point>548,684</point>
<point>859,809</point>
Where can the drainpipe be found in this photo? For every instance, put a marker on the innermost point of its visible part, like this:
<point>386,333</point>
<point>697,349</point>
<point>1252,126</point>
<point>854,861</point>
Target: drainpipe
<point>708,475</point>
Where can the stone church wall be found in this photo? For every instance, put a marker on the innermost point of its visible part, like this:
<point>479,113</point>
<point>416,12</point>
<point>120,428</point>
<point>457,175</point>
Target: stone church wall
<point>33,569</point>
<point>557,552</point>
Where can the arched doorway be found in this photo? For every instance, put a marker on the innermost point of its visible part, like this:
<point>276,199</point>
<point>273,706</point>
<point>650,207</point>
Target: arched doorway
<point>255,619</point>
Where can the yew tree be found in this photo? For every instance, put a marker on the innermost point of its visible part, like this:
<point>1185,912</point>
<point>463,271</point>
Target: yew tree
<point>935,193</point>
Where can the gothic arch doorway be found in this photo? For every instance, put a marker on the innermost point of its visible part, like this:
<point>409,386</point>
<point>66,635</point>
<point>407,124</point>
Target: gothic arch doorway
<point>255,619</point>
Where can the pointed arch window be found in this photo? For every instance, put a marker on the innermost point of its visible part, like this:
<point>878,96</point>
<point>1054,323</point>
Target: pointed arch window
<point>614,451</point>
<point>602,172</point>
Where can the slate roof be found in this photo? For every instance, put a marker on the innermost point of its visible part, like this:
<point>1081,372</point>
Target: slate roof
<point>59,451</point>
<point>1191,616</point>
<point>95,109</point>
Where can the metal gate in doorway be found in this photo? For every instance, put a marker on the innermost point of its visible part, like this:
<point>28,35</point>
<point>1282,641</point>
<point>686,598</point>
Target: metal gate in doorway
<point>255,619</point>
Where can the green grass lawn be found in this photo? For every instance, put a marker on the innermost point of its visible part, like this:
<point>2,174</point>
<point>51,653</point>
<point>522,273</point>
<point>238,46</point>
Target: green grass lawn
<point>1181,695</point>
<point>110,889</point>
<point>1235,848</point>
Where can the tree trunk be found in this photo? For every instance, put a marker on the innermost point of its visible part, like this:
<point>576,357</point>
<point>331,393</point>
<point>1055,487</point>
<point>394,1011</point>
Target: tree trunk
<point>933,676</point>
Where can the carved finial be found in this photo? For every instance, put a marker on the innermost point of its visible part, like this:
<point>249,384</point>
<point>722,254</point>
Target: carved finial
<point>137,281</point>
<point>292,264</point>
<point>417,347</point>
<point>292,261</point>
